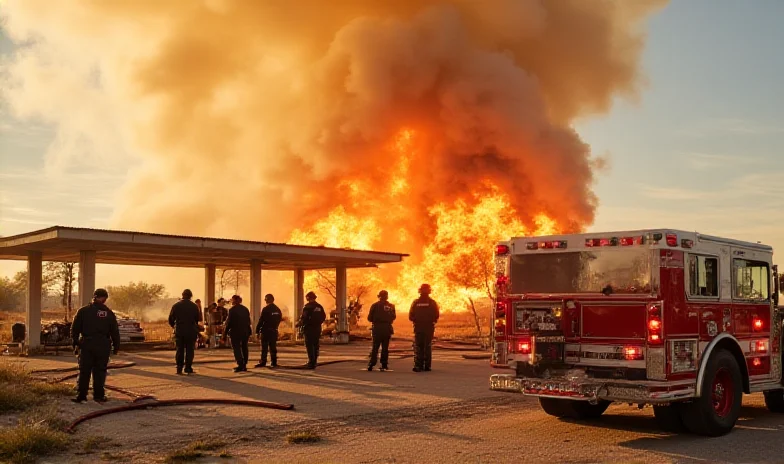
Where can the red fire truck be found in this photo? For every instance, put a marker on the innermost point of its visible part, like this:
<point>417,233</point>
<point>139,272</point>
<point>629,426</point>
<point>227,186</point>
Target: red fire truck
<point>679,320</point>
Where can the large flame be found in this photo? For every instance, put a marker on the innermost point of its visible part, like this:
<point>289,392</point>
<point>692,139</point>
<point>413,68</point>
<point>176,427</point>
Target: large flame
<point>454,257</point>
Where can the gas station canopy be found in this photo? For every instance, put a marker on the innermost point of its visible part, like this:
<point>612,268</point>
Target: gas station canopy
<point>137,248</point>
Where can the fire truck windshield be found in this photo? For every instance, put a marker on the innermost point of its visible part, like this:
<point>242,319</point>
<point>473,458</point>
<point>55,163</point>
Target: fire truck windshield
<point>601,271</point>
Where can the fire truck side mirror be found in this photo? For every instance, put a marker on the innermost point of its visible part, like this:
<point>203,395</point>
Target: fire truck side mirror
<point>776,285</point>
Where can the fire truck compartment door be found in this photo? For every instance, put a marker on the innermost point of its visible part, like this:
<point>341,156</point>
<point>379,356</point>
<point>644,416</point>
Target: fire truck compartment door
<point>613,320</point>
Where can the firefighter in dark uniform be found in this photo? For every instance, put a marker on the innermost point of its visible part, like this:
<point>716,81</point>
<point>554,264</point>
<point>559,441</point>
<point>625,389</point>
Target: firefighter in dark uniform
<point>267,328</point>
<point>184,318</point>
<point>95,335</point>
<point>313,315</point>
<point>238,327</point>
<point>424,314</point>
<point>381,315</point>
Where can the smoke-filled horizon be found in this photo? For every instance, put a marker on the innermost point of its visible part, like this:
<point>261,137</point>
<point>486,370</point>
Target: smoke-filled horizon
<point>363,123</point>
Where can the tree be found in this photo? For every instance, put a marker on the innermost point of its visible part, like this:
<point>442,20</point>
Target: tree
<point>60,278</point>
<point>231,278</point>
<point>359,284</point>
<point>474,271</point>
<point>11,295</point>
<point>135,297</point>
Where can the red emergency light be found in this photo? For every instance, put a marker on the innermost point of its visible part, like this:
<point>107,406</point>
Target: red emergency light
<point>757,324</point>
<point>655,324</point>
<point>672,240</point>
<point>501,249</point>
<point>603,242</point>
<point>524,347</point>
<point>546,245</point>
<point>632,353</point>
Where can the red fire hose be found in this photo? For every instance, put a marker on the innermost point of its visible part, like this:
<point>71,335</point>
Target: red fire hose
<point>179,402</point>
<point>114,365</point>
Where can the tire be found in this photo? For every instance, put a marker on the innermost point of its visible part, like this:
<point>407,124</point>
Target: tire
<point>554,407</point>
<point>715,412</point>
<point>571,409</point>
<point>669,418</point>
<point>774,400</point>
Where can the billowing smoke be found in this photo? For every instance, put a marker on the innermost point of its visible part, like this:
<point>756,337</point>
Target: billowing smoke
<point>254,118</point>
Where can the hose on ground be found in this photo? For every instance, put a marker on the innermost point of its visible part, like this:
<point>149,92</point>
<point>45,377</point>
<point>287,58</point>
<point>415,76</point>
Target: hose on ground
<point>59,370</point>
<point>131,394</point>
<point>478,356</point>
<point>161,403</point>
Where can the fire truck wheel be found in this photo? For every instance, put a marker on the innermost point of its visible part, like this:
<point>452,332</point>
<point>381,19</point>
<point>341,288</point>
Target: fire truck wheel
<point>715,412</point>
<point>571,409</point>
<point>554,406</point>
<point>774,400</point>
<point>669,417</point>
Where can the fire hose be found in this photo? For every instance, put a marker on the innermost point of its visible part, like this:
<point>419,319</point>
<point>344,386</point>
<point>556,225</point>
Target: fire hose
<point>161,403</point>
<point>117,365</point>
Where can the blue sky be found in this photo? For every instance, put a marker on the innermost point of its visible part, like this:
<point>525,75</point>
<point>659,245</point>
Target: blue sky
<point>700,150</point>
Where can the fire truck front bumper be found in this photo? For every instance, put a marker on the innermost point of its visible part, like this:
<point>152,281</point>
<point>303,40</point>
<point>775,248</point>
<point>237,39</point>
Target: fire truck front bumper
<point>589,389</point>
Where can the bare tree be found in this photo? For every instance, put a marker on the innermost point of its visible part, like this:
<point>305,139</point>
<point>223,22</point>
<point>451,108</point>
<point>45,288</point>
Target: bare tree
<point>231,278</point>
<point>474,272</point>
<point>60,278</point>
<point>359,284</point>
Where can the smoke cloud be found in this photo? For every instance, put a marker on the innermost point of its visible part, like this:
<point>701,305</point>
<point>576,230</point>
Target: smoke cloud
<point>254,118</point>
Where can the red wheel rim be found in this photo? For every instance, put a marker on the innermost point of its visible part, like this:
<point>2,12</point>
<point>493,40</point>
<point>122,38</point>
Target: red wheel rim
<point>722,392</point>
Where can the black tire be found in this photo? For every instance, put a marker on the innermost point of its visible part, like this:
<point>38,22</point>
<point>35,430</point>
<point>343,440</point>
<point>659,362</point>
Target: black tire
<point>554,406</point>
<point>669,418</point>
<point>571,409</point>
<point>774,400</point>
<point>715,412</point>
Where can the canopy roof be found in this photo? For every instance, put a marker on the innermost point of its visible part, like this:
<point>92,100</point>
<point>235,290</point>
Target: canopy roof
<point>60,243</point>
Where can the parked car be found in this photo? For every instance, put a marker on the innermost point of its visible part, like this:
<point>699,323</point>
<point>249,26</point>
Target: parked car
<point>130,330</point>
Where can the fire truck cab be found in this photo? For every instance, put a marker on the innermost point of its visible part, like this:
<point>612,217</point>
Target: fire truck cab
<point>678,320</point>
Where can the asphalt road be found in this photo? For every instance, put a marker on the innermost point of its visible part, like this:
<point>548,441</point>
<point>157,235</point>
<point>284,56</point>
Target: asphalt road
<point>447,415</point>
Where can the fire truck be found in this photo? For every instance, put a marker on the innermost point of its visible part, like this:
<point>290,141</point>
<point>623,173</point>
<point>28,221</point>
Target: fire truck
<point>678,320</point>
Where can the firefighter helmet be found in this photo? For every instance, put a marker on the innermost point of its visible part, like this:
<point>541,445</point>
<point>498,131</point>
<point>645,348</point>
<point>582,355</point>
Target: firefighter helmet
<point>425,289</point>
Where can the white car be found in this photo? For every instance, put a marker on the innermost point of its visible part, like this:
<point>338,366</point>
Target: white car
<point>130,330</point>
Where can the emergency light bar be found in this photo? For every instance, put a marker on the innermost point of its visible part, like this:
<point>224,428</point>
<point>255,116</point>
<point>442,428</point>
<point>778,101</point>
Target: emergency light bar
<point>560,244</point>
<point>614,241</point>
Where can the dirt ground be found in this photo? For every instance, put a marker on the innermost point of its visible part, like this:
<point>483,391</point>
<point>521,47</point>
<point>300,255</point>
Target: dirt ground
<point>447,415</point>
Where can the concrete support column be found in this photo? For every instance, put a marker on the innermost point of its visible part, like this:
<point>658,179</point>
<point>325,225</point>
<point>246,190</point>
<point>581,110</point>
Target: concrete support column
<point>299,297</point>
<point>255,291</point>
<point>209,284</point>
<point>34,284</point>
<point>341,304</point>
<point>87,277</point>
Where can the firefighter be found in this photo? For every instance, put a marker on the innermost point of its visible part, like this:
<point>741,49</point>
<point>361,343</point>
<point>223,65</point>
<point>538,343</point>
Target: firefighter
<point>381,315</point>
<point>239,329</point>
<point>95,335</point>
<point>424,314</point>
<point>184,318</point>
<point>212,319</point>
<point>313,316</point>
<point>267,328</point>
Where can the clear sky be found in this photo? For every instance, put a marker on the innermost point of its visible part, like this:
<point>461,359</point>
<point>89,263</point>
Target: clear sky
<point>700,150</point>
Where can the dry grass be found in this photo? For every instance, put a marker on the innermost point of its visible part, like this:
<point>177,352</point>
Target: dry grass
<point>38,433</point>
<point>19,391</point>
<point>196,450</point>
<point>158,331</point>
<point>24,443</point>
<point>301,437</point>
